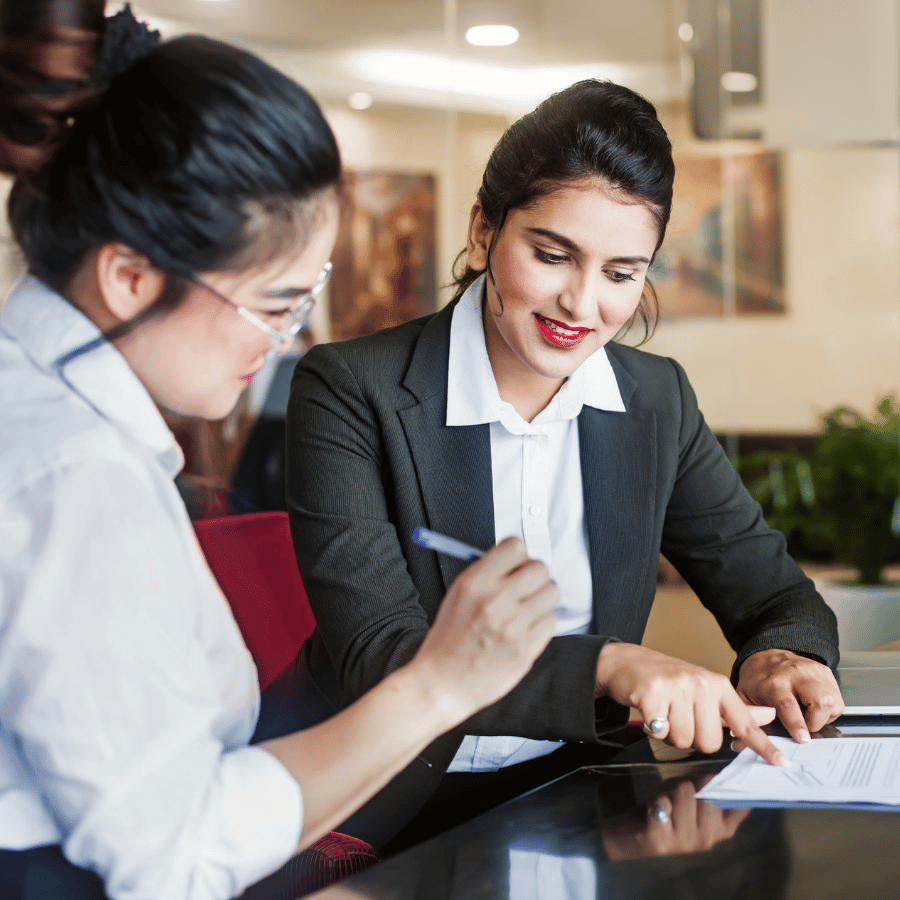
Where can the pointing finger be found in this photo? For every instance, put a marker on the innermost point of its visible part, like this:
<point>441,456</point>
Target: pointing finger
<point>740,721</point>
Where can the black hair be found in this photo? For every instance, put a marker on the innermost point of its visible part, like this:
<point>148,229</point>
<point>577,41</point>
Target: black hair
<point>591,130</point>
<point>198,155</point>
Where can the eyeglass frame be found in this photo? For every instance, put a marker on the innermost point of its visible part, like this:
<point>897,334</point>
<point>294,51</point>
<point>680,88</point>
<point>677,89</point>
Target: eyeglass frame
<point>300,310</point>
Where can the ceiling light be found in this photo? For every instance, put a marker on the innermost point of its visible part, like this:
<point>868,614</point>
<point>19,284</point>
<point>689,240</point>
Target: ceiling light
<point>521,86</point>
<point>739,82</point>
<point>492,35</point>
<point>359,100</point>
<point>686,32</point>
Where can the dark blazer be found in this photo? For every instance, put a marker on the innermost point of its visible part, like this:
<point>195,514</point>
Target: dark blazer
<point>369,458</point>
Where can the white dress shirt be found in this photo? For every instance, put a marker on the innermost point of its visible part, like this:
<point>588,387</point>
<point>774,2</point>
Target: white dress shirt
<point>537,488</point>
<point>127,695</point>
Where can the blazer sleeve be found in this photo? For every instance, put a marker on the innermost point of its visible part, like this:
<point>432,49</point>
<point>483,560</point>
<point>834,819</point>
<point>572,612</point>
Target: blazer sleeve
<point>371,613</point>
<point>715,536</point>
<point>367,609</point>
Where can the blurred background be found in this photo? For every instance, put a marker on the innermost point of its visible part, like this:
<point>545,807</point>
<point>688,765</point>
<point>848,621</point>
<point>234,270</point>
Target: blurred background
<point>780,278</point>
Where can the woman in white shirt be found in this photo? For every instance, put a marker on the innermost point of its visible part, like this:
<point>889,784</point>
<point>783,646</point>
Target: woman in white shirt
<point>176,204</point>
<point>514,411</point>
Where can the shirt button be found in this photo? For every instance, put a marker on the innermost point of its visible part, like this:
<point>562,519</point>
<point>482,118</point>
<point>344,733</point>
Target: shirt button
<point>534,510</point>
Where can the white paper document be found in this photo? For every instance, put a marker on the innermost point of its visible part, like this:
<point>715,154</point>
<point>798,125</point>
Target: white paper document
<point>844,771</point>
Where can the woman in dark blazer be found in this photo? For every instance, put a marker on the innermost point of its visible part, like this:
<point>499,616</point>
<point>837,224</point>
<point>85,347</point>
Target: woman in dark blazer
<point>515,391</point>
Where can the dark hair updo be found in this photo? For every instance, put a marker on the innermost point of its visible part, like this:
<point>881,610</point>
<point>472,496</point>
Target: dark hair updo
<point>198,155</point>
<point>591,130</point>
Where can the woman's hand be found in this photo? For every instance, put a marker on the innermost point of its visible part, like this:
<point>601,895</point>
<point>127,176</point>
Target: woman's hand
<point>804,692</point>
<point>693,703</point>
<point>677,822</point>
<point>493,623</point>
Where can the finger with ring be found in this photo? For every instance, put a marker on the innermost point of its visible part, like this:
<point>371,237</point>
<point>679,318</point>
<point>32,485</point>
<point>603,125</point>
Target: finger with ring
<point>655,726</point>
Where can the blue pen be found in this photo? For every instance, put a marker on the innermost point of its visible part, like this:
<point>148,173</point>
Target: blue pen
<point>443,544</point>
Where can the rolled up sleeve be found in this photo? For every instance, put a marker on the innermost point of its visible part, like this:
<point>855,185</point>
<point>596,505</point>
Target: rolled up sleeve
<point>209,844</point>
<point>127,696</point>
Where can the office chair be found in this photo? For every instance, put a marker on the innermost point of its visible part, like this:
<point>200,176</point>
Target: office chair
<point>252,558</point>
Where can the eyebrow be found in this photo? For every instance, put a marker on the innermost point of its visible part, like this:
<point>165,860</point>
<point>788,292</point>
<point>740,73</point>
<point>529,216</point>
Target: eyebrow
<point>563,241</point>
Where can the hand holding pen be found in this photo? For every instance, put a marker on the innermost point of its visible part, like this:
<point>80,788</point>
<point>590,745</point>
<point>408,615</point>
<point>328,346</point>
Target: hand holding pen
<point>495,620</point>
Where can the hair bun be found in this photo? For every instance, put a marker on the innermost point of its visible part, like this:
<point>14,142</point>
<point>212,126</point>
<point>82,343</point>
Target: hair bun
<point>125,40</point>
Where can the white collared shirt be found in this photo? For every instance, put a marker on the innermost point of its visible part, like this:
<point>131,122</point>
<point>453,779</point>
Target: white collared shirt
<point>537,487</point>
<point>127,695</point>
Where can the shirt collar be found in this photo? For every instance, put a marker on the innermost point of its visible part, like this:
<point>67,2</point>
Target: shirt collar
<point>472,394</point>
<point>48,328</point>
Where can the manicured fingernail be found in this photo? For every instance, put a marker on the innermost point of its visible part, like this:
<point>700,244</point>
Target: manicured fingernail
<point>782,760</point>
<point>803,736</point>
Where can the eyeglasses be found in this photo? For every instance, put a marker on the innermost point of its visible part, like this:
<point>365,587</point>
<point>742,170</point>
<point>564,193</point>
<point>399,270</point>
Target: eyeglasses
<point>297,314</point>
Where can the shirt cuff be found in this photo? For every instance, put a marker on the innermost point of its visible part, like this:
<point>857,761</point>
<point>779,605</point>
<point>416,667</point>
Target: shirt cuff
<point>258,817</point>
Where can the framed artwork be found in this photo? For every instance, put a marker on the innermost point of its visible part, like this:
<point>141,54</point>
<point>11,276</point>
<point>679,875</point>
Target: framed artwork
<point>723,250</point>
<point>385,258</point>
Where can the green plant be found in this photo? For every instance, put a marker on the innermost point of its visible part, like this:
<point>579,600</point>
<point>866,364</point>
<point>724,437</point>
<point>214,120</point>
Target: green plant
<point>844,499</point>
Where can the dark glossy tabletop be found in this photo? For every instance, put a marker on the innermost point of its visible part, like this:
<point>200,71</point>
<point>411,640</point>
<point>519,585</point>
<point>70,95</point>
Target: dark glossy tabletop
<point>595,833</point>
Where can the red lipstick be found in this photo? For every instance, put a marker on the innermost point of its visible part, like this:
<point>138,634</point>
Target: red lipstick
<point>571,338</point>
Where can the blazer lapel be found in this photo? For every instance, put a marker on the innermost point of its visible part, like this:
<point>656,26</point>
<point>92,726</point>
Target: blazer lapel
<point>618,464</point>
<point>618,469</point>
<point>453,464</point>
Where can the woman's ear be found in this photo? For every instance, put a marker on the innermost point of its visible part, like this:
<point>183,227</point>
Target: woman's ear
<point>129,283</point>
<point>478,240</point>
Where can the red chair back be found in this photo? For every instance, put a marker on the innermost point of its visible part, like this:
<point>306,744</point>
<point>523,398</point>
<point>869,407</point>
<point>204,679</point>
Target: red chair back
<point>253,560</point>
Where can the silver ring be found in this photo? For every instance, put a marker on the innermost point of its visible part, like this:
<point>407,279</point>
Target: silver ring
<point>655,726</point>
<point>659,813</point>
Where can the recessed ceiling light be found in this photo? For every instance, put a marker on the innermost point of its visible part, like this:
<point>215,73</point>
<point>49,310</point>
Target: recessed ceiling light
<point>359,100</point>
<point>686,32</point>
<point>739,82</point>
<point>492,35</point>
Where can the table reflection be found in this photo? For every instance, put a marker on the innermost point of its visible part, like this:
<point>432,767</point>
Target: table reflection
<point>634,830</point>
<point>596,833</point>
<point>640,833</point>
<point>676,822</point>
<point>534,875</point>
